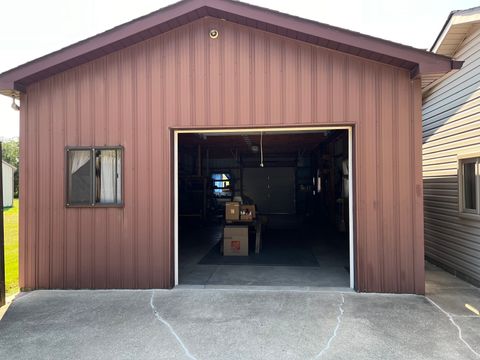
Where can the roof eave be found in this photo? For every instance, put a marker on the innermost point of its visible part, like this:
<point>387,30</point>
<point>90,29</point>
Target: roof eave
<point>165,19</point>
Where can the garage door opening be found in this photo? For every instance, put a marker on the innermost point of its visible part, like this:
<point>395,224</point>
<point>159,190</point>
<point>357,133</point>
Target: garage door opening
<point>263,208</point>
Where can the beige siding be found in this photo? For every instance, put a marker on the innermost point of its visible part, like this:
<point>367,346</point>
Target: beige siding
<point>451,127</point>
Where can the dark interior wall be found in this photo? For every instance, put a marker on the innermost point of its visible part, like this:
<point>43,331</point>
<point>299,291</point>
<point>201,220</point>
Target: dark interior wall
<point>286,186</point>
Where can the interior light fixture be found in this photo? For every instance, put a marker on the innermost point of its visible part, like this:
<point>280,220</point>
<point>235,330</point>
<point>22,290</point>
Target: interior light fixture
<point>14,104</point>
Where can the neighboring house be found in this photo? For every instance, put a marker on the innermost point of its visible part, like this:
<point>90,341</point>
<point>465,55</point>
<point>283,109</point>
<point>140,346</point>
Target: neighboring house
<point>110,110</point>
<point>451,151</point>
<point>8,172</point>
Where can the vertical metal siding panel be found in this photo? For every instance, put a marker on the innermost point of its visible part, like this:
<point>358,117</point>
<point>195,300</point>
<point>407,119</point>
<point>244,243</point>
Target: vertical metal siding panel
<point>128,121</point>
<point>305,76</point>
<point>86,215</point>
<point>330,86</point>
<point>171,118</point>
<point>354,113</point>
<point>44,198</point>
<point>405,186</point>
<point>370,260</point>
<point>149,156</point>
<point>159,201</point>
<point>252,77</point>
<point>353,90</point>
<point>57,184</point>
<point>244,77</point>
<point>165,211</point>
<point>141,189</point>
<point>135,143</point>
<point>229,60</point>
<point>213,81</point>
<point>274,78</point>
<point>260,79</point>
<point>191,73</point>
<point>358,177</point>
<point>24,172</point>
<point>338,88</point>
<point>100,121</point>
<point>34,208</point>
<point>418,249</point>
<point>289,86</point>
<point>386,168</point>
<point>182,46</point>
<point>200,65</point>
<point>30,184</point>
<point>72,138</point>
<point>398,242</point>
<point>321,87</point>
<point>113,137</point>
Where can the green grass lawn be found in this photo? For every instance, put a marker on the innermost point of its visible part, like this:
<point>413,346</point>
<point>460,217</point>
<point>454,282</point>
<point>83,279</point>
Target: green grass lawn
<point>11,248</point>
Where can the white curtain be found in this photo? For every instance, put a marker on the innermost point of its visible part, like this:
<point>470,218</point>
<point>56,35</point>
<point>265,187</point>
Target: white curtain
<point>78,158</point>
<point>119,176</point>
<point>107,176</point>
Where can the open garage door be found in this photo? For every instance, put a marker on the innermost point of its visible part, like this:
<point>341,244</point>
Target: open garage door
<point>264,207</point>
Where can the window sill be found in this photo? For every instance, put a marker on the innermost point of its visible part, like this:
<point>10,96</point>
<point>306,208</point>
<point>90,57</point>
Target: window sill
<point>102,206</point>
<point>469,216</point>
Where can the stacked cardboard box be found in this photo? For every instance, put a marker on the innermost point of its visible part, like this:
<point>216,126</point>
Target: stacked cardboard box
<point>247,212</point>
<point>235,240</point>
<point>232,211</point>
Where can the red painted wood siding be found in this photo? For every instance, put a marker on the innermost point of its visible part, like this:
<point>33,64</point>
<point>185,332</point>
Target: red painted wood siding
<point>184,79</point>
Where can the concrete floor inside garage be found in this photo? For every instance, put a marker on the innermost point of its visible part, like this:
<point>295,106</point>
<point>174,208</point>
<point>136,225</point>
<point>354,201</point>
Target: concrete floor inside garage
<point>328,268</point>
<point>245,324</point>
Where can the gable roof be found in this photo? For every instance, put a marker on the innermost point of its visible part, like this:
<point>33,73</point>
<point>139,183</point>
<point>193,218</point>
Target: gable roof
<point>417,61</point>
<point>459,24</point>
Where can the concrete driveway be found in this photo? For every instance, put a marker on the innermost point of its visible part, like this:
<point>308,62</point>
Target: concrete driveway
<point>244,324</point>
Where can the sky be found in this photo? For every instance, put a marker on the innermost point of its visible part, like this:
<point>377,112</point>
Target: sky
<point>32,28</point>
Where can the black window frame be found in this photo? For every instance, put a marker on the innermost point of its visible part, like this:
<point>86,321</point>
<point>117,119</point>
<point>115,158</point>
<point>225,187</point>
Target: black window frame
<point>93,203</point>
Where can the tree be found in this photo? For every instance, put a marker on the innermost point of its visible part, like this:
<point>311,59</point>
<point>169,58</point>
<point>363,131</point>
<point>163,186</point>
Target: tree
<point>11,155</point>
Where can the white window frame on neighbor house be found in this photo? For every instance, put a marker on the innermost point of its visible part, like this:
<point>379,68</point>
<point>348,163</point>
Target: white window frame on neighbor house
<point>463,211</point>
<point>351,197</point>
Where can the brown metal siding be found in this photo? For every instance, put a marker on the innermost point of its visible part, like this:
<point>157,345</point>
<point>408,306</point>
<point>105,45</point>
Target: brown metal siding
<point>183,79</point>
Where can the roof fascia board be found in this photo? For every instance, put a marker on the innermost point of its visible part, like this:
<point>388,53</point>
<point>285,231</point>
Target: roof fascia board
<point>443,33</point>
<point>343,36</point>
<point>8,78</point>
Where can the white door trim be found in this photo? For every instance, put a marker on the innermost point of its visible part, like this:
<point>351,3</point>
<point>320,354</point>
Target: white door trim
<point>284,129</point>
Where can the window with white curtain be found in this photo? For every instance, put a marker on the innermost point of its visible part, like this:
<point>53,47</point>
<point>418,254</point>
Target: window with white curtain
<point>94,176</point>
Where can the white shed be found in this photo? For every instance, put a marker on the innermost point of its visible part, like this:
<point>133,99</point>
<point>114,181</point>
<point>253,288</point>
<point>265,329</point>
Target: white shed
<point>7,180</point>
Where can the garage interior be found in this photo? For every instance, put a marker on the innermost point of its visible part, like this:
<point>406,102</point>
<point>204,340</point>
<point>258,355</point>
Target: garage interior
<point>266,208</point>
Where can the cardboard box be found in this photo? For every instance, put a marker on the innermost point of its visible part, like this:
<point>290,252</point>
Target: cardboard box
<point>247,212</point>
<point>235,240</point>
<point>232,211</point>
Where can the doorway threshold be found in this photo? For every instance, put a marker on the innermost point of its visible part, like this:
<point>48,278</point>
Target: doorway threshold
<point>267,288</point>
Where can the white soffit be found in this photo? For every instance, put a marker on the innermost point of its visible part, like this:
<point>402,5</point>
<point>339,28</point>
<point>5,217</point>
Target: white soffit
<point>460,25</point>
